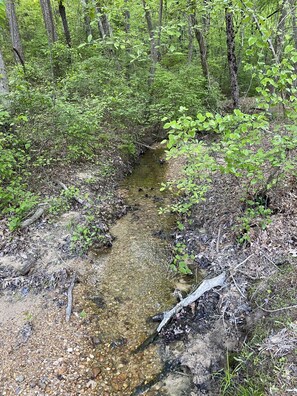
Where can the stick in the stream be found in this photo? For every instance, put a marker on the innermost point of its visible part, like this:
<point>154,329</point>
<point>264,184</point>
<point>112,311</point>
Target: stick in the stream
<point>70,299</point>
<point>205,286</point>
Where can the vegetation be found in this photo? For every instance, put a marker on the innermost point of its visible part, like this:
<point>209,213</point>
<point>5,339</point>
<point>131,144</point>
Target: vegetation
<point>82,80</point>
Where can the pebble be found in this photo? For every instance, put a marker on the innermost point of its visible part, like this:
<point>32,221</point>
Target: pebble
<point>19,378</point>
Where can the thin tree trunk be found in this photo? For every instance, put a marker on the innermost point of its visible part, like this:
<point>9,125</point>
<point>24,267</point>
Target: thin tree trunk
<point>3,77</point>
<point>280,34</point>
<point>87,19</point>
<point>232,58</point>
<point>49,21</point>
<point>154,52</point>
<point>62,12</point>
<point>161,5</point>
<point>202,47</point>
<point>191,46</point>
<point>106,26</point>
<point>294,21</point>
<point>127,18</point>
<point>14,32</point>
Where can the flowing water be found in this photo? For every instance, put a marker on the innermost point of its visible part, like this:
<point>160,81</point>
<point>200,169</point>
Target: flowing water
<point>134,284</point>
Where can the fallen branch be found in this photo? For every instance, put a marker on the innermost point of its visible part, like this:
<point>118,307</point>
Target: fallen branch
<point>205,286</point>
<point>39,212</point>
<point>77,199</point>
<point>70,299</point>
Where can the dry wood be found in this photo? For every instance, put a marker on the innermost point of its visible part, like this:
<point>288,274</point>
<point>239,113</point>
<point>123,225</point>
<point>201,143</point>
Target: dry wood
<point>79,200</point>
<point>205,286</point>
<point>37,214</point>
<point>70,299</point>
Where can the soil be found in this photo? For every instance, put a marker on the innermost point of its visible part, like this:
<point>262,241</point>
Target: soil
<point>42,354</point>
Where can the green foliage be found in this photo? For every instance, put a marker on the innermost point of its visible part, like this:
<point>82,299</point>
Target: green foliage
<point>181,259</point>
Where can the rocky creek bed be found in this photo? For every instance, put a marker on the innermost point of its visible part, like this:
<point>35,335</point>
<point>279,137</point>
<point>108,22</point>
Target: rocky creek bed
<point>118,288</point>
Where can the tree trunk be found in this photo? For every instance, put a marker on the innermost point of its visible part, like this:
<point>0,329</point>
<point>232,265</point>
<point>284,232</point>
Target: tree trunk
<point>14,32</point>
<point>280,33</point>
<point>294,21</point>
<point>190,34</point>
<point>160,29</point>
<point>3,79</point>
<point>49,21</point>
<point>202,47</point>
<point>127,18</point>
<point>154,52</point>
<point>62,12</point>
<point>232,58</point>
<point>87,18</point>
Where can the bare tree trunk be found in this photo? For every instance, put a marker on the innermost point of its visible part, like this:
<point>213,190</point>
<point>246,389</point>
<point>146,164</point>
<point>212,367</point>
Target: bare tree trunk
<point>14,31</point>
<point>160,28</point>
<point>87,18</point>
<point>154,52</point>
<point>127,17</point>
<point>280,34</point>
<point>202,47</point>
<point>3,83</point>
<point>294,21</point>
<point>49,20</point>
<point>230,35</point>
<point>190,34</point>
<point>62,12</point>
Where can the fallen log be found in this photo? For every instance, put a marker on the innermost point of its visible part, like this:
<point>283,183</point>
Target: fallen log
<point>205,286</point>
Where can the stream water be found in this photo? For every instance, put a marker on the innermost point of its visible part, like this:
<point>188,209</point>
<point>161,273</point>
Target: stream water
<point>134,284</point>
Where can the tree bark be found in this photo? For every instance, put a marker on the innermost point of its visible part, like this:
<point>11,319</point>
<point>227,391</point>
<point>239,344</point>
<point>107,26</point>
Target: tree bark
<point>294,21</point>
<point>49,21</point>
<point>3,77</point>
<point>161,6</point>
<point>154,52</point>
<point>127,18</point>
<point>62,12</point>
<point>230,35</point>
<point>87,19</point>
<point>202,47</point>
<point>280,33</point>
<point>14,31</point>
<point>190,34</point>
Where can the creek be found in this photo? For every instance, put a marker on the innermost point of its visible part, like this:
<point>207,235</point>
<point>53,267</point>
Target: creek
<point>135,283</point>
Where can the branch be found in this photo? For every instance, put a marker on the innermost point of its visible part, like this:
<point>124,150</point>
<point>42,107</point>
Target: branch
<point>205,286</point>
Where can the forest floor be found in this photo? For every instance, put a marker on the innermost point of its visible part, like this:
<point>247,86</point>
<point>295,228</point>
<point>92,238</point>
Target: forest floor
<point>250,322</point>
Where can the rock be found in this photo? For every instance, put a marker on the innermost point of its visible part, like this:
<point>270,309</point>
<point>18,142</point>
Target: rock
<point>19,378</point>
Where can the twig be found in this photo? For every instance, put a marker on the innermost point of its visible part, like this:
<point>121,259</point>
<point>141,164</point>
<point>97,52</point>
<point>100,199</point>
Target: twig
<point>218,239</point>
<point>237,287</point>
<point>146,146</point>
<point>205,286</point>
<point>70,299</point>
<point>277,309</point>
<point>243,262</point>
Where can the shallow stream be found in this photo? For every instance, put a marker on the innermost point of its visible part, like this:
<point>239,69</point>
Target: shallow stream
<point>135,283</point>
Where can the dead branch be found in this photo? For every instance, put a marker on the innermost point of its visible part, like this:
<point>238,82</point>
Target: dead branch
<point>77,199</point>
<point>70,299</point>
<point>37,214</point>
<point>205,286</point>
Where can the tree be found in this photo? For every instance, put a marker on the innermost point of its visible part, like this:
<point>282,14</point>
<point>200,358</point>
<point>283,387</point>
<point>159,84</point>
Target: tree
<point>154,52</point>
<point>14,31</point>
<point>3,76</point>
<point>49,21</point>
<point>62,12</point>
<point>230,36</point>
